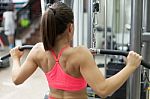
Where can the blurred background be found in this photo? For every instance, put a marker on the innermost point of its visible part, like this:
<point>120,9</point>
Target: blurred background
<point>27,15</point>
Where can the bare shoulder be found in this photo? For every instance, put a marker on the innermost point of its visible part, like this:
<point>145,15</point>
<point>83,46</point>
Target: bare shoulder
<point>37,49</point>
<point>38,46</point>
<point>82,52</point>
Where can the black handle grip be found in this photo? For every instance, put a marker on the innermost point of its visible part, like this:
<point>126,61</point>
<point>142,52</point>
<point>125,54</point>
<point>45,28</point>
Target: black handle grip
<point>113,52</point>
<point>20,48</point>
<point>145,64</point>
<point>116,52</point>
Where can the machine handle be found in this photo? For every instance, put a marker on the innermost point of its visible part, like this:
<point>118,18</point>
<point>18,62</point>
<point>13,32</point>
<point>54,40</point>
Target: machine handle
<point>94,51</point>
<point>21,48</point>
<point>117,52</point>
<point>113,52</point>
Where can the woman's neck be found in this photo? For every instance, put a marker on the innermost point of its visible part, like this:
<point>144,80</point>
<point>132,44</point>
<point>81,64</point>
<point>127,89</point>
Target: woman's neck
<point>61,44</point>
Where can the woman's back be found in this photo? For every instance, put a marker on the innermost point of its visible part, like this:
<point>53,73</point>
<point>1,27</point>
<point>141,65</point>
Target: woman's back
<point>69,63</point>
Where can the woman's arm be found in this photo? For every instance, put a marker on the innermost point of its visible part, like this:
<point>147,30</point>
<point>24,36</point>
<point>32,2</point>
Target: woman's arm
<point>21,72</point>
<point>104,87</point>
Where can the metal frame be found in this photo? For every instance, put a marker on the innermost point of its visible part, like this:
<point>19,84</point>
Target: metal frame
<point>76,23</point>
<point>105,23</point>
<point>90,24</point>
<point>146,54</point>
<point>79,34</point>
<point>146,57</point>
<point>148,15</point>
<point>134,85</point>
<point>123,23</point>
<point>146,36</point>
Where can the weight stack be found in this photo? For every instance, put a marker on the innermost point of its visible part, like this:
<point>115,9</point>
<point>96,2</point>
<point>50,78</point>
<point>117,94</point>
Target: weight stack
<point>112,69</point>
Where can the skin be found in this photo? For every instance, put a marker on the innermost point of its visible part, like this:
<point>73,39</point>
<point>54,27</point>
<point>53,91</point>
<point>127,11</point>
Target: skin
<point>77,62</point>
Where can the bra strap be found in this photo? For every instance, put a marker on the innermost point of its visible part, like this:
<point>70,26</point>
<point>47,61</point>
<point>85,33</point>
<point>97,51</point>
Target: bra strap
<point>59,54</point>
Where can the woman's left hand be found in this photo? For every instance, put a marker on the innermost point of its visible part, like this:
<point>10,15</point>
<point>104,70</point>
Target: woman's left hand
<point>16,53</point>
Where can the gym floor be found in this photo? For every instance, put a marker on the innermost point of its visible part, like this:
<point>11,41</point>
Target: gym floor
<point>35,87</point>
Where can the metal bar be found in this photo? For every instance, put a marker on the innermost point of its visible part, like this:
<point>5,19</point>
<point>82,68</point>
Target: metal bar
<point>90,24</point>
<point>146,36</point>
<point>105,23</point>
<point>148,16</point>
<point>20,48</point>
<point>76,23</point>
<point>123,23</point>
<point>94,51</point>
<point>82,22</point>
<point>105,31</point>
<point>144,14</point>
<point>146,57</point>
<point>113,31</point>
<point>135,39</point>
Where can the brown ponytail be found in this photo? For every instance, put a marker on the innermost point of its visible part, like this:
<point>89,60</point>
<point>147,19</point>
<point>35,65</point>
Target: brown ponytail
<point>49,29</point>
<point>54,22</point>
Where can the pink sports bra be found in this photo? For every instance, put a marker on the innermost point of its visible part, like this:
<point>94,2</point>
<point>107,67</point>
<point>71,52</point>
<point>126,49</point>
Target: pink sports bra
<point>58,79</point>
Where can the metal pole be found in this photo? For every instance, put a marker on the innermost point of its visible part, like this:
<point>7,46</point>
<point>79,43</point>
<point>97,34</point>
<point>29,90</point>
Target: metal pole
<point>116,23</point>
<point>146,57</point>
<point>135,39</point>
<point>90,24</point>
<point>76,23</point>
<point>146,48</point>
<point>81,22</point>
<point>145,16</point>
<point>105,23</point>
<point>123,23</point>
<point>105,26</point>
<point>77,20</point>
<point>145,52</point>
<point>148,16</point>
<point>113,22</point>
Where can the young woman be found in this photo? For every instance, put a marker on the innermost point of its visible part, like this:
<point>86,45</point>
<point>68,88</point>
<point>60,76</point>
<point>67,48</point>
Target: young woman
<point>68,70</point>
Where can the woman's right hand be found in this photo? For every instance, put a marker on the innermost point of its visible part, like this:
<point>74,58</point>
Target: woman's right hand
<point>133,59</point>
